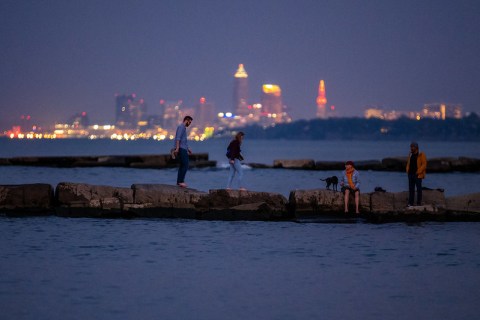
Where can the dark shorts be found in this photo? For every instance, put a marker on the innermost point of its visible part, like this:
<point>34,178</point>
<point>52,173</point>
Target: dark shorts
<point>348,188</point>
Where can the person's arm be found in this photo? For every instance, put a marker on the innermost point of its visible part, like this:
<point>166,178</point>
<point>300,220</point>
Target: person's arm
<point>178,136</point>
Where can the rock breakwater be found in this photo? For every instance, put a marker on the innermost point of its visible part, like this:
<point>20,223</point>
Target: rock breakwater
<point>435,165</point>
<point>200,160</point>
<point>168,201</point>
<point>160,161</point>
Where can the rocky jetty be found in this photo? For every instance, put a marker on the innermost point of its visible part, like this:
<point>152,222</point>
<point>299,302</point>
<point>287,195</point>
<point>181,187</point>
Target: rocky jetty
<point>435,165</point>
<point>295,164</point>
<point>200,160</point>
<point>197,160</point>
<point>380,206</point>
<point>167,201</point>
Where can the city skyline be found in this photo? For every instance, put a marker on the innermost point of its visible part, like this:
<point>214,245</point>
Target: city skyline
<point>61,58</point>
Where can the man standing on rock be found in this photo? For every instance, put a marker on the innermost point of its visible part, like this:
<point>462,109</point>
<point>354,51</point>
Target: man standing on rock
<point>182,150</point>
<point>416,170</point>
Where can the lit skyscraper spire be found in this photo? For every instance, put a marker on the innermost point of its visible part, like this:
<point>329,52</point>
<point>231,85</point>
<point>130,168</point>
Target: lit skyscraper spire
<point>321,101</point>
<point>240,92</point>
<point>272,104</point>
<point>241,73</point>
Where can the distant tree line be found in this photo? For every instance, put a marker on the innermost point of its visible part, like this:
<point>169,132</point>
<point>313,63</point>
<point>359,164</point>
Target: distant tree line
<point>465,129</point>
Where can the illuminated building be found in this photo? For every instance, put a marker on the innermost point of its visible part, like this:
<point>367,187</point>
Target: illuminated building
<point>380,113</point>
<point>442,111</point>
<point>272,102</point>
<point>205,114</point>
<point>79,120</point>
<point>129,112</point>
<point>321,101</point>
<point>240,92</point>
<point>172,114</point>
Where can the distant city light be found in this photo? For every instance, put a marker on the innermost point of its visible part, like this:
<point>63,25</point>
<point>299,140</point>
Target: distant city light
<point>133,122</point>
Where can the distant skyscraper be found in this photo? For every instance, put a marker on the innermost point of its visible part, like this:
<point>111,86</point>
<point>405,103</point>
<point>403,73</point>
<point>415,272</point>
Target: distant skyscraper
<point>272,105</point>
<point>321,101</point>
<point>129,111</point>
<point>79,120</point>
<point>171,113</point>
<point>240,92</point>
<point>204,114</point>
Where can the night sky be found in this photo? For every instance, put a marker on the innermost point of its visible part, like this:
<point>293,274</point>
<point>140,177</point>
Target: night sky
<point>62,57</point>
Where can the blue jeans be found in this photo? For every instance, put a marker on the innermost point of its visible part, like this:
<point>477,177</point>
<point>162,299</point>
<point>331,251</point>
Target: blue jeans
<point>182,170</point>
<point>414,181</point>
<point>235,169</point>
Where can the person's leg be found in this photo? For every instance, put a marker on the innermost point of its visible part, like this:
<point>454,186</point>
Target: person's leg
<point>357,201</point>
<point>418,182</point>
<point>182,169</point>
<point>411,189</point>
<point>238,168</point>
<point>347,195</point>
<point>231,175</point>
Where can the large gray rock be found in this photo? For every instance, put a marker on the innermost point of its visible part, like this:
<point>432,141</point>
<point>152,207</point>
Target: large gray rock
<point>151,161</point>
<point>5,162</point>
<point>166,195</point>
<point>433,198</point>
<point>165,201</point>
<point>469,203</point>
<point>322,201</point>
<point>440,164</point>
<point>315,201</point>
<point>68,192</point>
<point>368,165</point>
<point>26,199</point>
<point>329,165</point>
<point>79,199</point>
<point>295,164</point>
<point>465,164</point>
<point>243,205</point>
<point>393,206</point>
<point>382,202</point>
<point>395,163</point>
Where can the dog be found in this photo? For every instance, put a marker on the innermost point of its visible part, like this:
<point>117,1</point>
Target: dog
<point>331,181</point>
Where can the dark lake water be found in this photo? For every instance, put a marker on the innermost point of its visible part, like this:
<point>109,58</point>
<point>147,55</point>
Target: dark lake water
<point>60,268</point>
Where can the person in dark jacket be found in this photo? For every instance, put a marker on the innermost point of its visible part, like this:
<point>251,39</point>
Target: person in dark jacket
<point>234,157</point>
